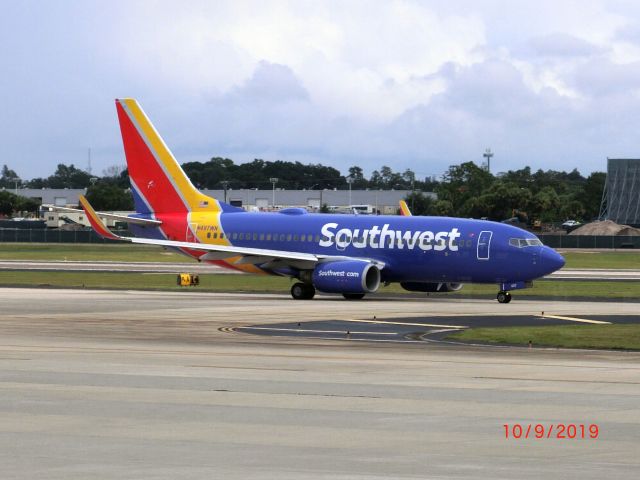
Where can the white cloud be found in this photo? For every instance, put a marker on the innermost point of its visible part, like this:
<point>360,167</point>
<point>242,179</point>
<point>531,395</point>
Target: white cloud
<point>409,83</point>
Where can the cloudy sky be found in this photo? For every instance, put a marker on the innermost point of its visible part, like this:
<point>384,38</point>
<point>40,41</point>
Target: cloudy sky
<point>409,84</point>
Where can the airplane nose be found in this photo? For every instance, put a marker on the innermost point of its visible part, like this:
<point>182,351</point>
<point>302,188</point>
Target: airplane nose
<point>551,260</point>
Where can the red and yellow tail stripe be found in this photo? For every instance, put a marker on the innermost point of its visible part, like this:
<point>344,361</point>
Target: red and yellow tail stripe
<point>154,171</point>
<point>95,221</point>
<point>404,209</point>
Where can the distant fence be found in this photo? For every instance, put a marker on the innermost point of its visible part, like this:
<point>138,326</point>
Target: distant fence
<point>89,236</point>
<point>51,236</point>
<point>590,241</point>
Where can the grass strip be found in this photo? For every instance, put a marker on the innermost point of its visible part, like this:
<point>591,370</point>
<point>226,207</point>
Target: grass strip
<point>599,259</point>
<point>104,252</point>
<point>615,337</point>
<point>264,283</point>
<point>147,253</point>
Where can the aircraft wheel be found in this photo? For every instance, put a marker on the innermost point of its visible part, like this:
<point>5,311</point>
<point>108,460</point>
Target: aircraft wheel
<point>504,297</point>
<point>302,291</point>
<point>353,296</point>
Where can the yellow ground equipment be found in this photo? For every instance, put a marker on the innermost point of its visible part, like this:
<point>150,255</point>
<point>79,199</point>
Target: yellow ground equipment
<point>188,280</point>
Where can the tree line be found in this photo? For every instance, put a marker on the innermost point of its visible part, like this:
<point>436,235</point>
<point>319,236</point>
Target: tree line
<point>465,190</point>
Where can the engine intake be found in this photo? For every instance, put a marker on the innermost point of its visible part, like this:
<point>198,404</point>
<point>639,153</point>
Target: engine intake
<point>431,287</point>
<point>350,276</point>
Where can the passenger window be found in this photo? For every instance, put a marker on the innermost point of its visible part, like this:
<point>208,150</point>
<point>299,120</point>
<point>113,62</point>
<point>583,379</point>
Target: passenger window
<point>289,238</point>
<point>268,236</point>
<point>303,237</point>
<point>295,238</point>
<point>221,235</point>
<point>234,235</point>
<point>282,236</point>
<point>318,238</point>
<point>255,236</point>
<point>208,234</point>
<point>215,235</point>
<point>262,236</point>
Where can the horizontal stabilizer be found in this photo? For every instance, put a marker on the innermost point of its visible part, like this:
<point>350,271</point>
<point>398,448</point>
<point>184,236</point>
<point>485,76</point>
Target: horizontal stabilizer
<point>95,221</point>
<point>112,216</point>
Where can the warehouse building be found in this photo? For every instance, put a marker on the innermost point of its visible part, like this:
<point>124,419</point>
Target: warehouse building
<point>384,202</point>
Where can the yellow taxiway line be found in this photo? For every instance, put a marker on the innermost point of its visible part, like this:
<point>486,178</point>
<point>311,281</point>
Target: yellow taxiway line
<point>304,330</point>
<point>574,319</point>
<point>404,323</point>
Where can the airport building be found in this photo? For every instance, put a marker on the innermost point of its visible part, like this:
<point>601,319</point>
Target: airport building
<point>371,201</point>
<point>621,196</point>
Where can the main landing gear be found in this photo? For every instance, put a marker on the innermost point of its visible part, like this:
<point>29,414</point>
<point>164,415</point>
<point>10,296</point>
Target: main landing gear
<point>503,297</point>
<point>302,291</point>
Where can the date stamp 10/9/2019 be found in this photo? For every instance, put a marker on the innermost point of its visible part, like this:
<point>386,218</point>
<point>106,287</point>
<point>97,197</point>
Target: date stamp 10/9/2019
<point>539,431</point>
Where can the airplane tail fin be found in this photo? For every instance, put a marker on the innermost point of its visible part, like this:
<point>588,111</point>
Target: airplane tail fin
<point>158,182</point>
<point>404,209</point>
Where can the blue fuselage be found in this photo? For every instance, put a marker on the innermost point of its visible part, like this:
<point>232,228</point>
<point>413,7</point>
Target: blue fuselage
<point>413,249</point>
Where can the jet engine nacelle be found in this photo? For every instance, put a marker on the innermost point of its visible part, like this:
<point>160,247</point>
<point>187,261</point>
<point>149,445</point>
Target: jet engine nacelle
<point>431,287</point>
<point>349,276</point>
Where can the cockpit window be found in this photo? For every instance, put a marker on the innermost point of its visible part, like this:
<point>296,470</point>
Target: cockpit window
<point>525,242</point>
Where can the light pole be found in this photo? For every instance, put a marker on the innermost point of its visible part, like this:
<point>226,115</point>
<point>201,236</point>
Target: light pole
<point>273,180</point>
<point>488,154</point>
<point>225,185</point>
<point>15,180</point>
<point>349,181</point>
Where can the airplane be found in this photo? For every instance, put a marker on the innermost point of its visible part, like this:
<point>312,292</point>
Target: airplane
<point>352,255</point>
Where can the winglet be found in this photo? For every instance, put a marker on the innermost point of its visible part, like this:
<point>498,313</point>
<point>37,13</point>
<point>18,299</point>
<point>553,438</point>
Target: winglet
<point>95,221</point>
<point>404,209</point>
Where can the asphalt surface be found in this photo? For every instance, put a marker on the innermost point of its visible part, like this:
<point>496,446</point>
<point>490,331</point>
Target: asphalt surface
<point>155,267</point>
<point>165,385</point>
<point>420,329</point>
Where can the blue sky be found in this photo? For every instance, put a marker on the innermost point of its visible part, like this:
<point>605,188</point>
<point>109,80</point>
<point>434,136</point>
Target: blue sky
<point>409,84</point>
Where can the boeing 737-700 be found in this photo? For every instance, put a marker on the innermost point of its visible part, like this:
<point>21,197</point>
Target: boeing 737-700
<point>352,255</point>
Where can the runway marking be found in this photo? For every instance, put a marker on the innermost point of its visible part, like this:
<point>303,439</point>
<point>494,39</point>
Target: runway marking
<point>304,330</point>
<point>574,319</point>
<point>404,323</point>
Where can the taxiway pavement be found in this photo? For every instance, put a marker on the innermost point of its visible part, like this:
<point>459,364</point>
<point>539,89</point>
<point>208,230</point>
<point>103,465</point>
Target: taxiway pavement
<point>194,267</point>
<point>104,384</point>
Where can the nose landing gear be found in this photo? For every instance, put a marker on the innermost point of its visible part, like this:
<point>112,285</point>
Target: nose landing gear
<point>503,297</point>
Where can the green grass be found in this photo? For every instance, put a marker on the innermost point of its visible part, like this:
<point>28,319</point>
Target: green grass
<point>143,253</point>
<point>599,259</point>
<point>106,252</point>
<point>260,283</point>
<point>144,281</point>
<point>625,337</point>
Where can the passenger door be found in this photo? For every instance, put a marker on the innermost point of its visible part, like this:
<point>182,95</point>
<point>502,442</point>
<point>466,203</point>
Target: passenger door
<point>484,243</point>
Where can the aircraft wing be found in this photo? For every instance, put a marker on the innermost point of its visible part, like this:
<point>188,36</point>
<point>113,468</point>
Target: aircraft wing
<point>218,252</point>
<point>114,216</point>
